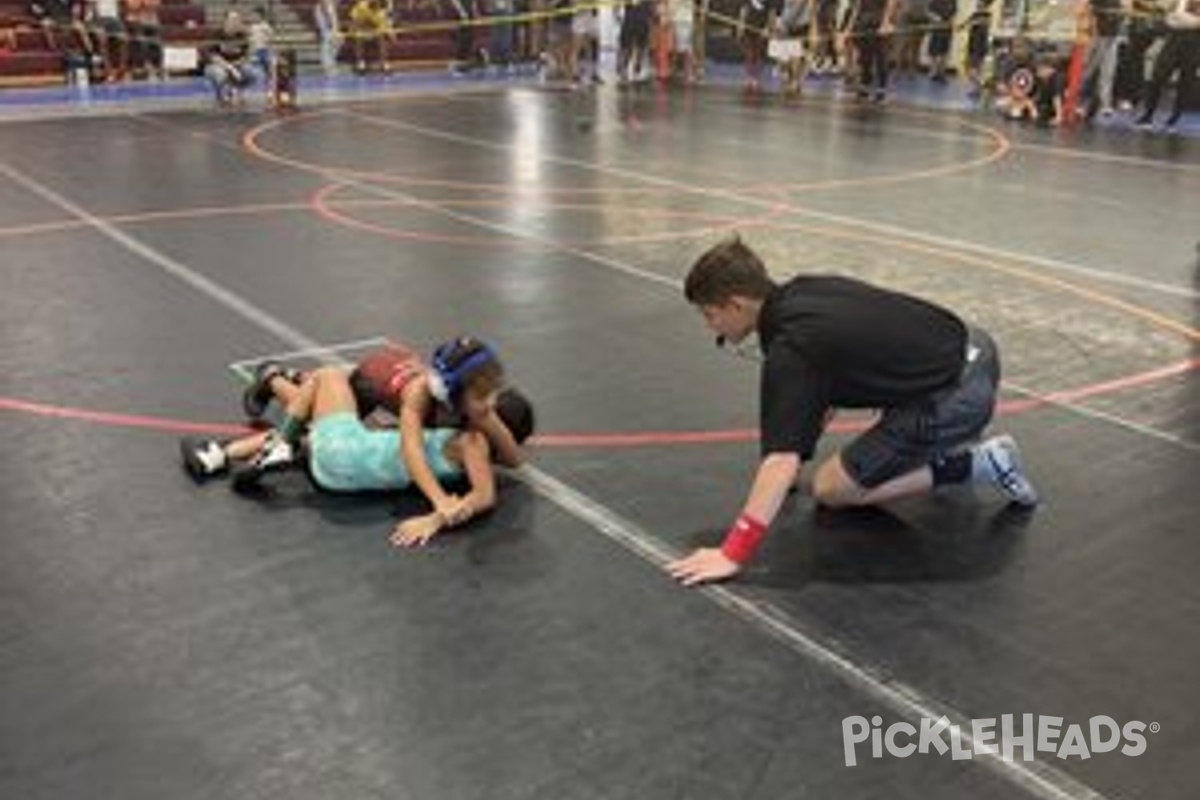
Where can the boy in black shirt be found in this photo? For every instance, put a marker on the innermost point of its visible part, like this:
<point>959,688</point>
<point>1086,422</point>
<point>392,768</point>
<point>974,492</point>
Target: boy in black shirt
<point>829,343</point>
<point>1048,87</point>
<point>1037,96</point>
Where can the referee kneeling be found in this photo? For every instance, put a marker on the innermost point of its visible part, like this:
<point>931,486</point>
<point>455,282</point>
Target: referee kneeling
<point>832,342</point>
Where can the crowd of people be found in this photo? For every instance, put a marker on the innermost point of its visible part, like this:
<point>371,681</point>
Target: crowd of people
<point>1122,54</point>
<point>1109,62</point>
<point>1024,74</point>
<point>112,40</point>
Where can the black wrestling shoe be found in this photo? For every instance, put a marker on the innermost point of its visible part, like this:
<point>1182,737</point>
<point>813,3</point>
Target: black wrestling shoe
<point>258,394</point>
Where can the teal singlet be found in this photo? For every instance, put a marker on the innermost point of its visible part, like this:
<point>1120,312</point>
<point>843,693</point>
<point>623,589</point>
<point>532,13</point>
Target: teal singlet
<point>347,456</point>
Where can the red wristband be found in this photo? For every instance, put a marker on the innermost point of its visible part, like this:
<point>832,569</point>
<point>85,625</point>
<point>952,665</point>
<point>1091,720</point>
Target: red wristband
<point>743,538</point>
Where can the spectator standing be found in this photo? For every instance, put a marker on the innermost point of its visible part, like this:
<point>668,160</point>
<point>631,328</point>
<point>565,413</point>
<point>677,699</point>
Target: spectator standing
<point>941,32</point>
<point>1100,65</point>
<point>979,34</point>
<point>871,25</point>
<point>1180,54</point>
<point>1147,24</point>
<point>329,28</point>
<point>914,24</point>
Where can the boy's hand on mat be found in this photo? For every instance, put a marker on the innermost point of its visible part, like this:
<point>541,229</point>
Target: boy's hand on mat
<point>702,566</point>
<point>416,531</point>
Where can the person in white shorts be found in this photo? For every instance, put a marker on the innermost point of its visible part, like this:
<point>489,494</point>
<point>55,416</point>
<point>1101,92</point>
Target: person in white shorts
<point>683,22</point>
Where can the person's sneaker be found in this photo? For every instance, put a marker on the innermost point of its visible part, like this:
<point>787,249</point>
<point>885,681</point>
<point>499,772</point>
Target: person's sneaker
<point>275,455</point>
<point>258,394</point>
<point>998,461</point>
<point>1144,123</point>
<point>203,458</point>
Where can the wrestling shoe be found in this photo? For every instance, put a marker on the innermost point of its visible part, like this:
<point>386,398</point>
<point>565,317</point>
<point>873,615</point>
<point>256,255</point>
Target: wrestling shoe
<point>258,394</point>
<point>998,461</point>
<point>203,458</point>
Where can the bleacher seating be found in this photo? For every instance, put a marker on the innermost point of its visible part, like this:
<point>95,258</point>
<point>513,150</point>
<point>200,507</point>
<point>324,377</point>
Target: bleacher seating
<point>26,56</point>
<point>189,22</point>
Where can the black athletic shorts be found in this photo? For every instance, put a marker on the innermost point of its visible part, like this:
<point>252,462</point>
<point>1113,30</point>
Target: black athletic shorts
<point>912,436</point>
<point>635,28</point>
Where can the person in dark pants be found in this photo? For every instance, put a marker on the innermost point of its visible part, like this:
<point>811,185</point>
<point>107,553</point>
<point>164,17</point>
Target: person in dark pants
<point>942,14</point>
<point>871,24</point>
<point>826,58</point>
<point>979,32</point>
<point>831,342</point>
<point>1180,53</point>
<point>466,55</point>
<point>634,40</point>
<point>1146,26</point>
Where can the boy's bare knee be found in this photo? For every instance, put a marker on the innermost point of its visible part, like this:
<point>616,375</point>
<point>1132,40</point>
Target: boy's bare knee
<point>832,496</point>
<point>833,487</point>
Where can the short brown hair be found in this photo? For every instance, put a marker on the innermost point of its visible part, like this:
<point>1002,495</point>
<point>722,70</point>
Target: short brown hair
<point>728,268</point>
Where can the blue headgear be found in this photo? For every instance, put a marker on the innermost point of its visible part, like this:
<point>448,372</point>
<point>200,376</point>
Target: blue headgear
<point>453,363</point>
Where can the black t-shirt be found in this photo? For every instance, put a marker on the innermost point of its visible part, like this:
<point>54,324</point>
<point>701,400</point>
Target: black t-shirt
<point>870,15</point>
<point>233,47</point>
<point>977,39</point>
<point>832,342</point>
<point>1046,89</point>
<point>1108,16</point>
<point>638,14</point>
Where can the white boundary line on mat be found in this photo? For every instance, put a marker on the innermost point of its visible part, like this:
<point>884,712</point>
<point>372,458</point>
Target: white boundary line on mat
<point>242,369</point>
<point>1036,778</point>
